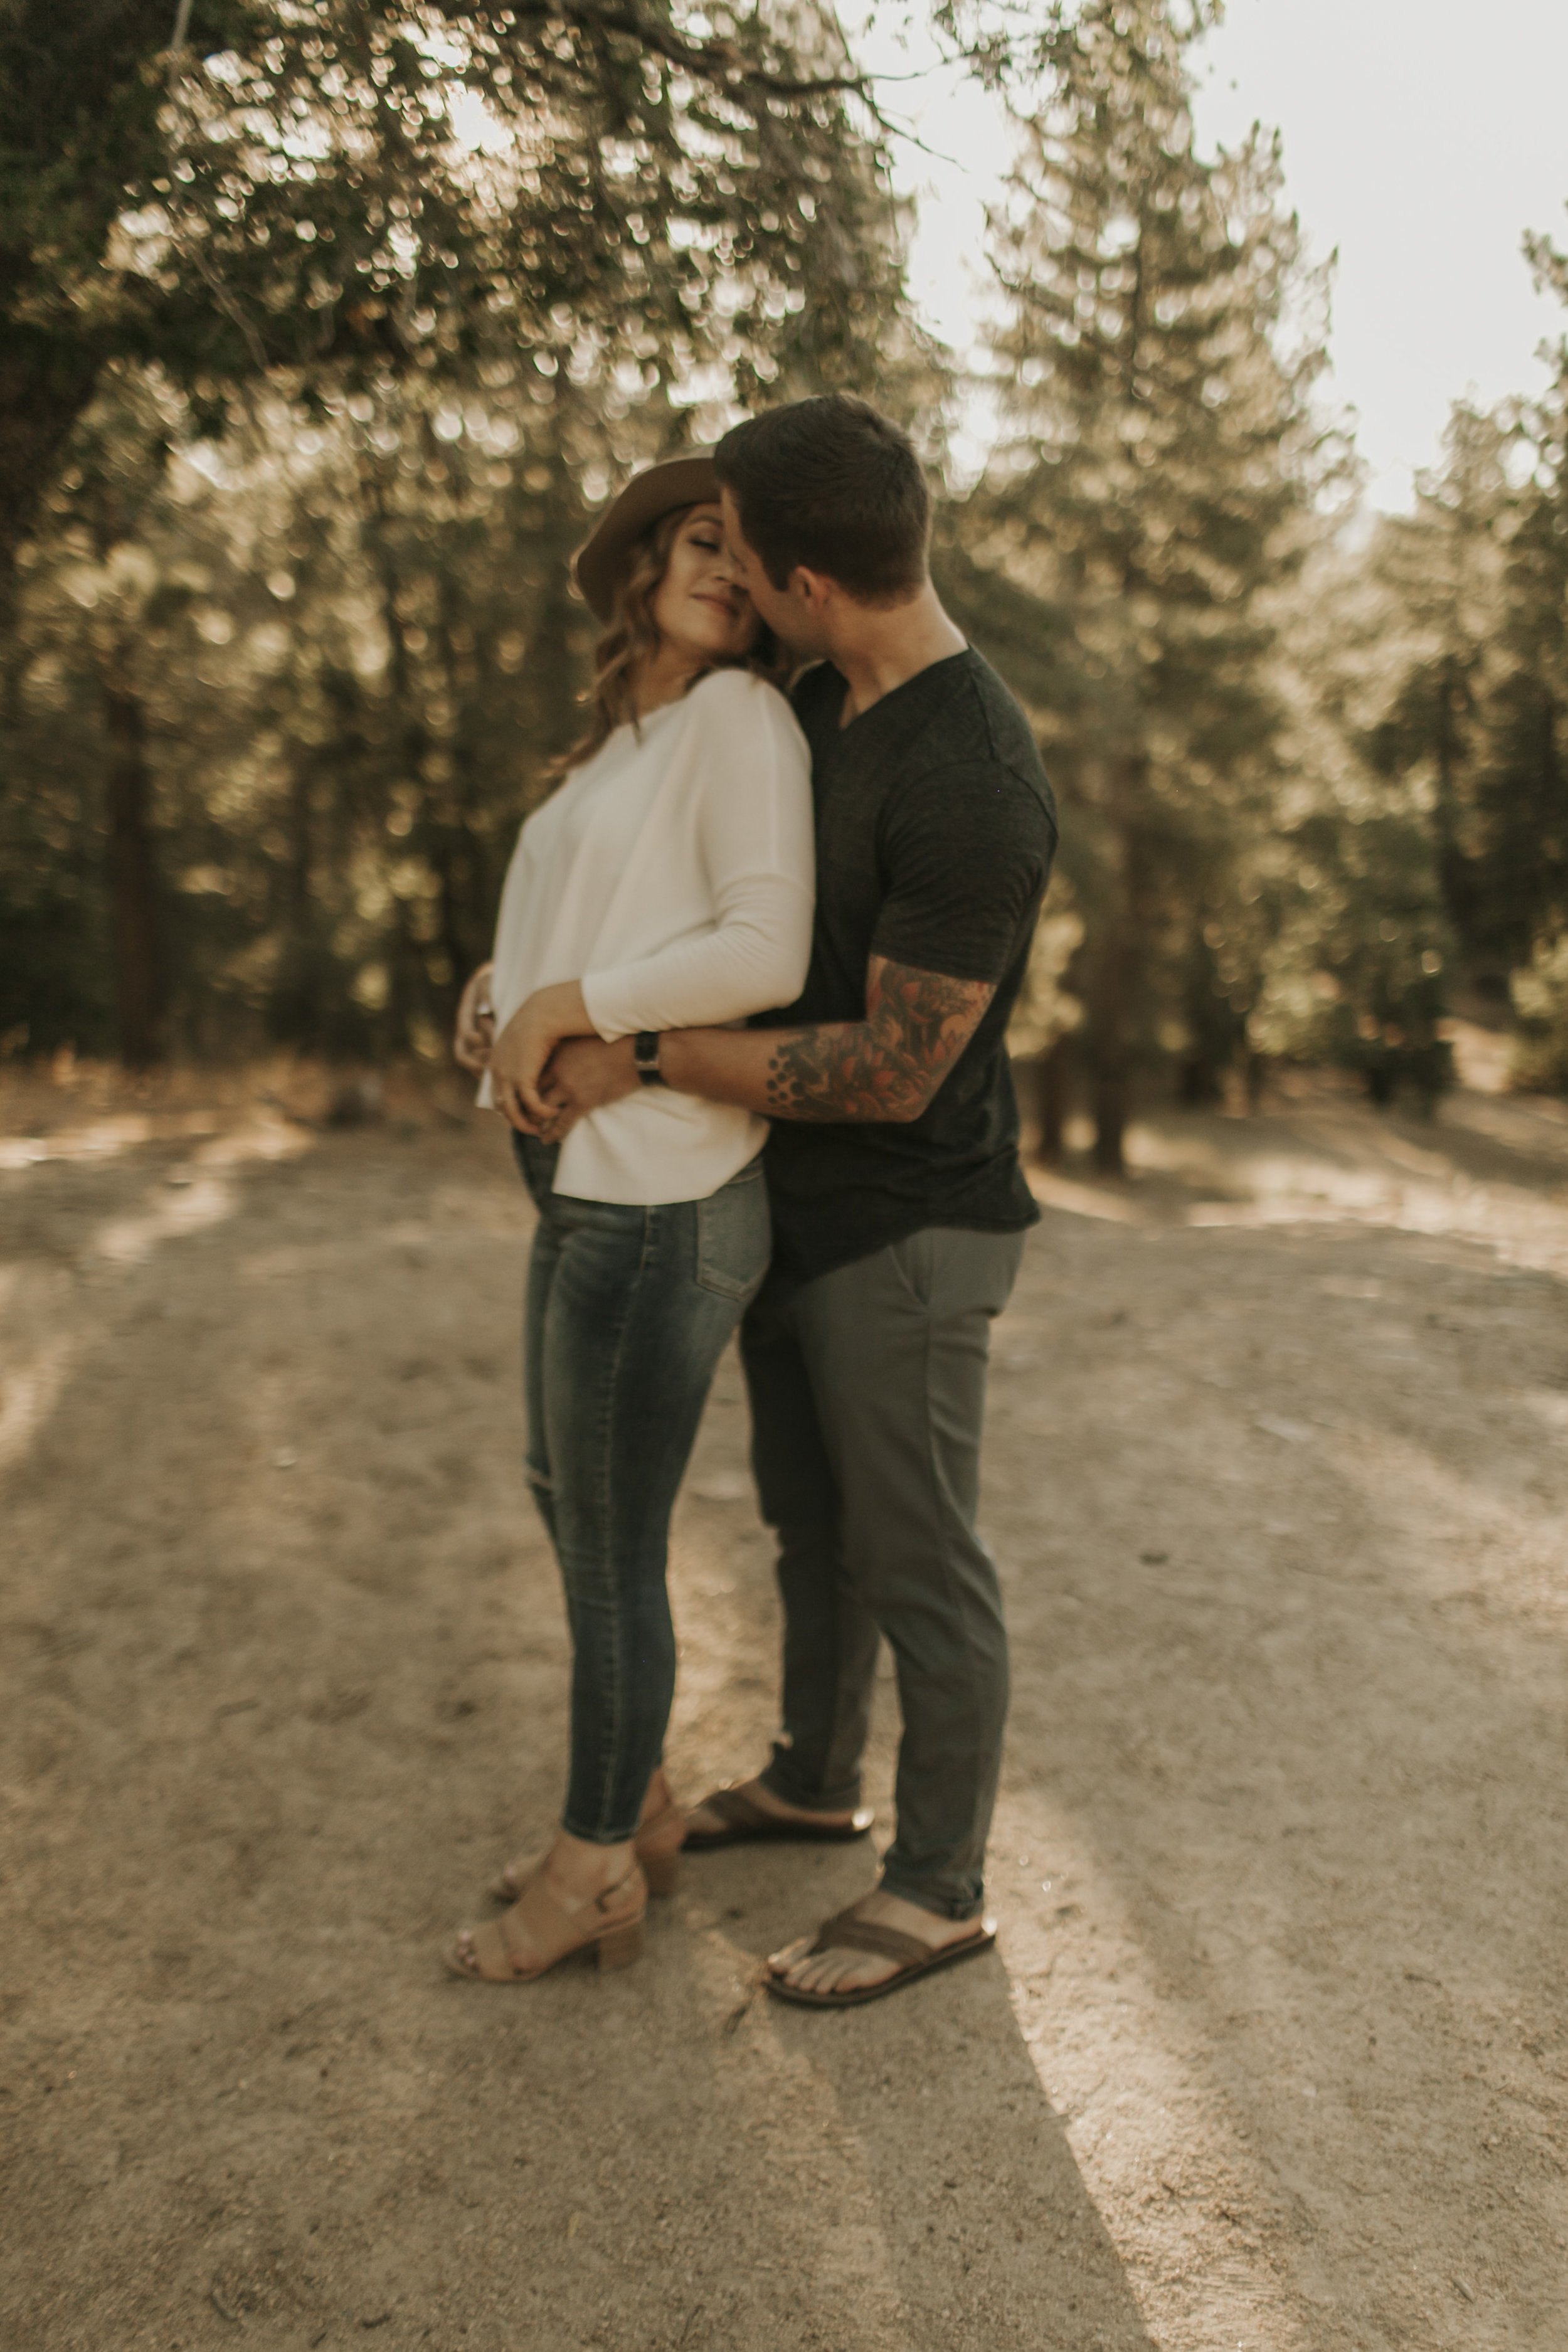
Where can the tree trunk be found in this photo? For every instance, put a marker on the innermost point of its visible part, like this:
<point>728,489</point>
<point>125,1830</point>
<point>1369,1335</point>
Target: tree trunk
<point>1110,1122</point>
<point>1113,988</point>
<point>133,875</point>
<point>1051,1100</point>
<point>1111,1010</point>
<point>1198,1084</point>
<point>294,1013</point>
<point>1455,873</point>
<point>44,383</point>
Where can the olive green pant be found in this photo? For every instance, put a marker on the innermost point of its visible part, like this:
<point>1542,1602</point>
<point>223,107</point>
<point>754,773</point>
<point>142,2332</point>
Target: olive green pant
<point>868,1390</point>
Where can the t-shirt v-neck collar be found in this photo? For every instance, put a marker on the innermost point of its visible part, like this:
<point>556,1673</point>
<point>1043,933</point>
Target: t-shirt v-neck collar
<point>843,728</point>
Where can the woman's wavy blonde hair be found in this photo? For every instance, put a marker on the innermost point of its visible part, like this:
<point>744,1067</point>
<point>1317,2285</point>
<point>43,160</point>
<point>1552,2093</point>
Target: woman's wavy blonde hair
<point>632,635</point>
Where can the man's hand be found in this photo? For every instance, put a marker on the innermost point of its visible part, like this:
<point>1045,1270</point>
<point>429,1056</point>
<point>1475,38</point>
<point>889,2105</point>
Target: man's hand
<point>476,1025</point>
<point>586,1074</point>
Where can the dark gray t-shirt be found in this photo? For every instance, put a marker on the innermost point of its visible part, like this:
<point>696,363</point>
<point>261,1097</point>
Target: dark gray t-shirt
<point>936,831</point>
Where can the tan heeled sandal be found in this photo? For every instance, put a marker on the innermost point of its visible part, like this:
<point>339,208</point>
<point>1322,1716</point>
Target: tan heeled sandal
<point>609,1925</point>
<point>657,1845</point>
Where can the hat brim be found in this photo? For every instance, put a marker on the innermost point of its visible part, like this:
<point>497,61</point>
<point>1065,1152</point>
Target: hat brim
<point>600,564</point>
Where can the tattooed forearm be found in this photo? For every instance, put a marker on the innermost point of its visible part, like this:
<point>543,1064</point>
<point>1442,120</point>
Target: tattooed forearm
<point>887,1066</point>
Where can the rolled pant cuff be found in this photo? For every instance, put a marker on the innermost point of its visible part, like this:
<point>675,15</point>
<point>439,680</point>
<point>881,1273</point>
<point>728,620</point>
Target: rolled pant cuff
<point>780,1783</point>
<point>926,1897</point>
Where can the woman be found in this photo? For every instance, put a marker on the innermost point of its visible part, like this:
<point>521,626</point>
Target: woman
<point>668,883</point>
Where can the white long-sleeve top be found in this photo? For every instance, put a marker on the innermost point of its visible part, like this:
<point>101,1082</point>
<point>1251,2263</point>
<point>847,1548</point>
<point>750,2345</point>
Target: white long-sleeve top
<point>673,874</point>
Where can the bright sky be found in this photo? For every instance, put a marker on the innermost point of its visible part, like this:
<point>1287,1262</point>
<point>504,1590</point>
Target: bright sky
<point>1422,139</point>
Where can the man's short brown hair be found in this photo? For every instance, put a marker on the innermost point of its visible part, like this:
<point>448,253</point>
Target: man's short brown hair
<point>831,484</point>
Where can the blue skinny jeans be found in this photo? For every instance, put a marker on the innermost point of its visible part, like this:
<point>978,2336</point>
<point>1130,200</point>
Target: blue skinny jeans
<point>628,1312</point>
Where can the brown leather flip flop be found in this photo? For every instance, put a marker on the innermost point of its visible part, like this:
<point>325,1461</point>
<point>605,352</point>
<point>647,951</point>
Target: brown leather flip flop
<point>849,1932</point>
<point>748,1824</point>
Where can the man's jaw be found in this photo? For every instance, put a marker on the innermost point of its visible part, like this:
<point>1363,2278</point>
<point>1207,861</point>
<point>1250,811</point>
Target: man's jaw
<point>797,632</point>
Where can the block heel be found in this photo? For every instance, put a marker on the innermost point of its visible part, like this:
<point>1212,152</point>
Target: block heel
<point>620,1946</point>
<point>662,1872</point>
<point>547,1924</point>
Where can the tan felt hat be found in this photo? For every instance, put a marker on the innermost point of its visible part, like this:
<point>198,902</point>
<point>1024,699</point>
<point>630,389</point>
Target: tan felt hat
<point>600,564</point>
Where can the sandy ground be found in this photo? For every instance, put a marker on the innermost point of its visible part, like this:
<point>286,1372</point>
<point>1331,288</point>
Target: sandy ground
<point>1272,2053</point>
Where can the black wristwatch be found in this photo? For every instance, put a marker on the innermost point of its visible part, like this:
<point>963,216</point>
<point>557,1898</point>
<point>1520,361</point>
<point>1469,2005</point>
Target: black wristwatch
<point>645,1054</point>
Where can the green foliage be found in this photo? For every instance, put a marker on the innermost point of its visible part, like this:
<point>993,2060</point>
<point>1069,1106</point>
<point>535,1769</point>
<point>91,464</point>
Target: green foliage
<point>345,188</point>
<point>1347,939</point>
<point>353,649</point>
<point>1474,713</point>
<point>320,341</point>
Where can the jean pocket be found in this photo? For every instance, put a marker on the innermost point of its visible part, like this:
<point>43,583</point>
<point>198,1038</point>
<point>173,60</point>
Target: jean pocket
<point>735,1236</point>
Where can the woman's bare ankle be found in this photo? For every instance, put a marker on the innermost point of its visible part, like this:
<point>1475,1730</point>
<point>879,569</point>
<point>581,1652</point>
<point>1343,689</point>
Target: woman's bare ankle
<point>585,1868</point>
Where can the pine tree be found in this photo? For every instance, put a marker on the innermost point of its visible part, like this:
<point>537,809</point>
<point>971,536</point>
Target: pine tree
<point>1353,948</point>
<point>1151,493</point>
<point>1442,570</point>
<point>1477,709</point>
<point>1523,789</point>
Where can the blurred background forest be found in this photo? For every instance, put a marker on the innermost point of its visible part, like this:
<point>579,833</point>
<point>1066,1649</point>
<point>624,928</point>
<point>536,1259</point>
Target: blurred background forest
<point>325,325</point>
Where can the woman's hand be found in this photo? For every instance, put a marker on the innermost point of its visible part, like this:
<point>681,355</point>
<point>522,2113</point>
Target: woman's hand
<point>476,1024</point>
<point>519,1053</point>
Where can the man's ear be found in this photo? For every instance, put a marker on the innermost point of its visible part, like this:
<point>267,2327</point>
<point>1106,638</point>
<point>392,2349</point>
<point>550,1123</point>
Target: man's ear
<point>814,590</point>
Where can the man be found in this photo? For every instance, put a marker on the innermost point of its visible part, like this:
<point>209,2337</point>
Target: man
<point>898,1200</point>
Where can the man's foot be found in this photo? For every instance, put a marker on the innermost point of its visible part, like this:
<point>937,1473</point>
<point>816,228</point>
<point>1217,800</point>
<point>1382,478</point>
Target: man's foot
<point>840,1969</point>
<point>706,1821</point>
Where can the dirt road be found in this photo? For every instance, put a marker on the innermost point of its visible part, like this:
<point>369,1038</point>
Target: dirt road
<point>1273,2054</point>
